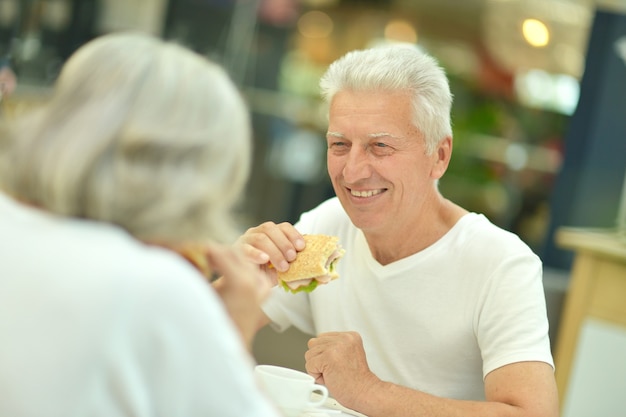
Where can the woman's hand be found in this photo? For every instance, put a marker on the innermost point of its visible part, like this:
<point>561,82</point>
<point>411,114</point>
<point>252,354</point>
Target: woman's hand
<point>242,287</point>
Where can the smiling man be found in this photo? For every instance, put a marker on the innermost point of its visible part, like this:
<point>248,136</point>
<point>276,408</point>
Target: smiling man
<point>438,312</point>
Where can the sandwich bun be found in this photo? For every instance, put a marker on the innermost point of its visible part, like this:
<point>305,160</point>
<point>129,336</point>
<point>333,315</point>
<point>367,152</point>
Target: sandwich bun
<point>314,265</point>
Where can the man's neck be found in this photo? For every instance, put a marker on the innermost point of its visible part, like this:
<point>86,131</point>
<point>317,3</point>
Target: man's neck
<point>392,245</point>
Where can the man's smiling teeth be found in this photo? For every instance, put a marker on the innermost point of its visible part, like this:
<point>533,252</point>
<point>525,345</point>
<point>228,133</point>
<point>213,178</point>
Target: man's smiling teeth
<point>365,193</point>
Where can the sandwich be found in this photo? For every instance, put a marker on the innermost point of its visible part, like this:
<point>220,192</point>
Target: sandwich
<point>195,254</point>
<point>314,265</point>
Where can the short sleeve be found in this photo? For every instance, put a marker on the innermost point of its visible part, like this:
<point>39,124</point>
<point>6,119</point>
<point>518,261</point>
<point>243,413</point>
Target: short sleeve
<point>511,323</point>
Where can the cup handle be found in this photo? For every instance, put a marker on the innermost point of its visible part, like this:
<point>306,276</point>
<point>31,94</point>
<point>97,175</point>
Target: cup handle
<point>323,395</point>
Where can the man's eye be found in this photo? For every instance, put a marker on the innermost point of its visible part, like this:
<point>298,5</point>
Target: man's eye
<point>381,148</point>
<point>337,144</point>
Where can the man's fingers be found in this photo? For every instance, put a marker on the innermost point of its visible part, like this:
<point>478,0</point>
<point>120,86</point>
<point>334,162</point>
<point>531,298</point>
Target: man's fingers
<point>276,238</point>
<point>329,338</point>
<point>280,242</point>
<point>293,235</point>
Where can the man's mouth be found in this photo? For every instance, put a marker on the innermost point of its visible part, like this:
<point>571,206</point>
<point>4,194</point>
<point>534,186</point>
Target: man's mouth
<point>366,193</point>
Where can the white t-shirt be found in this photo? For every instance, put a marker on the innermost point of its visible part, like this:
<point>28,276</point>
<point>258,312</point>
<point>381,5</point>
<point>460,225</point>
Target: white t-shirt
<point>94,323</point>
<point>439,320</point>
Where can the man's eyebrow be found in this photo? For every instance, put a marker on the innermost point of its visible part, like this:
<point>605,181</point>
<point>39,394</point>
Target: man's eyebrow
<point>335,134</point>
<point>382,135</point>
<point>370,135</point>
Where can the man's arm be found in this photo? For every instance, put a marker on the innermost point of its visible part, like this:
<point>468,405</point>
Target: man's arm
<point>522,389</point>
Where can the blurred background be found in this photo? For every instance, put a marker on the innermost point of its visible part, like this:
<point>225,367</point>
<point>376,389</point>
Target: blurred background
<point>539,113</point>
<point>515,67</point>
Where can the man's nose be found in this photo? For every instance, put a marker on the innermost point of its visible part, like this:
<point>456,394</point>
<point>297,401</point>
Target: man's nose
<point>357,165</point>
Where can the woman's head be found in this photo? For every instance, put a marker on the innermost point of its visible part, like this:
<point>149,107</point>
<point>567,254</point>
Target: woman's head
<point>141,133</point>
<point>397,67</point>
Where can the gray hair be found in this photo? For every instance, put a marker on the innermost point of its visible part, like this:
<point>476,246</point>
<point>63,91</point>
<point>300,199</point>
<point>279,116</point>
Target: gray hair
<point>397,67</point>
<point>141,133</point>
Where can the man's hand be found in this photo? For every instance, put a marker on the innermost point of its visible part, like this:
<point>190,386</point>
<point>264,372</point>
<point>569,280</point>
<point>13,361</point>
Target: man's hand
<point>337,360</point>
<point>271,243</point>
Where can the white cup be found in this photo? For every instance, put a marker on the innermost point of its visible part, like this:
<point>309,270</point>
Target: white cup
<point>290,390</point>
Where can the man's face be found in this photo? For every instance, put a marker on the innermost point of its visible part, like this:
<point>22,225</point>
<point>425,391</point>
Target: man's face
<point>377,161</point>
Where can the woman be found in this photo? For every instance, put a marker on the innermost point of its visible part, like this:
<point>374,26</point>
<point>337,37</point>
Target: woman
<point>142,152</point>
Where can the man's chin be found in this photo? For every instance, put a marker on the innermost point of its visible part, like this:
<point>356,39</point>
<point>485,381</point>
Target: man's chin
<point>364,221</point>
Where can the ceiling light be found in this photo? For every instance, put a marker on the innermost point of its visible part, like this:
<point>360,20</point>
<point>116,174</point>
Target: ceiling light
<point>535,32</point>
<point>400,31</point>
<point>315,24</point>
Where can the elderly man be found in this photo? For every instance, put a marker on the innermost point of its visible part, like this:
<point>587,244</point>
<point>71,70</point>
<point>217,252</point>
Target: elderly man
<point>437,312</point>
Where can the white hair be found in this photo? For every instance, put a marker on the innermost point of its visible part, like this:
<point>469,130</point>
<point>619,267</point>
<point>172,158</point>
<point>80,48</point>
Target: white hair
<point>141,133</point>
<point>397,67</point>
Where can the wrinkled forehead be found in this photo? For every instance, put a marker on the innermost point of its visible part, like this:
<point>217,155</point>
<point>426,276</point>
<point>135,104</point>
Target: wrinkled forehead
<point>375,111</point>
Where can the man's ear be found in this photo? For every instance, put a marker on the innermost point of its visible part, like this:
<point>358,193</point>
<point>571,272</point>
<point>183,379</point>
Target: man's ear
<point>442,156</point>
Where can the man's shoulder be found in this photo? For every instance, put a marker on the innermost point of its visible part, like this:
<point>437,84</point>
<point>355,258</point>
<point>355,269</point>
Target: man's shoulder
<point>482,234</point>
